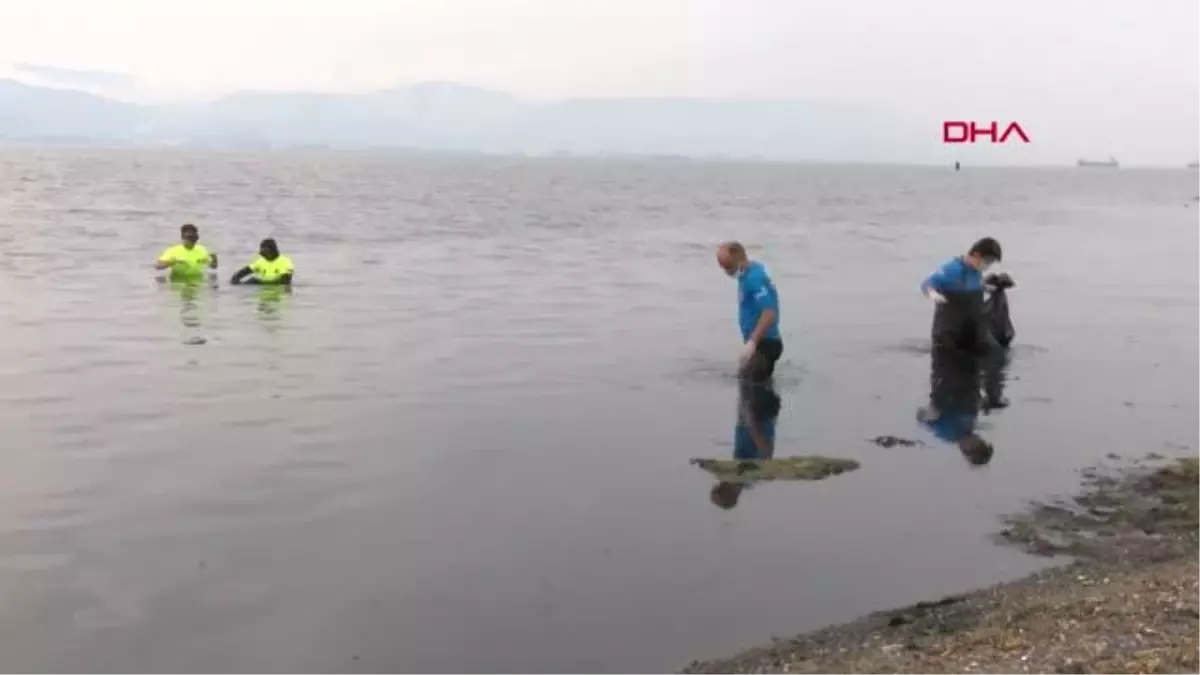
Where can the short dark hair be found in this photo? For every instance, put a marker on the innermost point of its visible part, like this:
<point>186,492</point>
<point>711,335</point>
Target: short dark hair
<point>188,227</point>
<point>268,243</point>
<point>986,248</point>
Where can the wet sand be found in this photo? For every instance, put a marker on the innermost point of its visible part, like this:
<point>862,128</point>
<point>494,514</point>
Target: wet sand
<point>1127,603</point>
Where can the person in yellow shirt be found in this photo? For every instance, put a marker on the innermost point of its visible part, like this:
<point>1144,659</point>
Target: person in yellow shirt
<point>269,268</point>
<point>187,260</point>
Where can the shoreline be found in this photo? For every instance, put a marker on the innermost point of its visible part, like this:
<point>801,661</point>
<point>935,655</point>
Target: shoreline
<point>1127,602</point>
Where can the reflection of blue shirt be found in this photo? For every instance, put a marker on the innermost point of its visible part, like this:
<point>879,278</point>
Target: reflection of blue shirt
<point>951,426</point>
<point>743,442</point>
<point>954,276</point>
<point>756,293</point>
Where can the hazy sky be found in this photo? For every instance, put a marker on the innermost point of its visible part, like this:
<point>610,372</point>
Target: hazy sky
<point>888,49</point>
<point>1060,64</point>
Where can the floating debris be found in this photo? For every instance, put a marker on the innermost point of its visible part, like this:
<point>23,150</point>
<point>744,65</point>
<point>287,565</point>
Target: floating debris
<point>893,441</point>
<point>811,467</point>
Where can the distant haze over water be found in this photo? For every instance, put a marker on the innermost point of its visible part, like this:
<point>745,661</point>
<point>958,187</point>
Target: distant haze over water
<point>449,117</point>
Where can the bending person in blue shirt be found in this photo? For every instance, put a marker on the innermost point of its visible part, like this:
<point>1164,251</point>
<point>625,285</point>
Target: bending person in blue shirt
<point>758,312</point>
<point>957,289</point>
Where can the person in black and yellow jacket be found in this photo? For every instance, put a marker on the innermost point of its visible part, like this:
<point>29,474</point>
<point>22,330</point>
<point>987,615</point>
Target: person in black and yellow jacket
<point>269,268</point>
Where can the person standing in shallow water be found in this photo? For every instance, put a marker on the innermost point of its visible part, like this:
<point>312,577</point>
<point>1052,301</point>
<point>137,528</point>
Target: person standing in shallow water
<point>269,268</point>
<point>758,312</point>
<point>957,290</point>
<point>188,259</point>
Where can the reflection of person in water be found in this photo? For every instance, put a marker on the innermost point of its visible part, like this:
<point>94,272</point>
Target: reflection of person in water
<point>753,435</point>
<point>189,306</point>
<point>962,383</point>
<point>270,300</point>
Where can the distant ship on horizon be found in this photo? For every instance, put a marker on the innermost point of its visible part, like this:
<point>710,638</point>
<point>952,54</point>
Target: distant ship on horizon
<point>1111,163</point>
<point>1194,165</point>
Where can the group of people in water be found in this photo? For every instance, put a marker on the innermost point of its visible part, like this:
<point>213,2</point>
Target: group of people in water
<point>970,334</point>
<point>190,261</point>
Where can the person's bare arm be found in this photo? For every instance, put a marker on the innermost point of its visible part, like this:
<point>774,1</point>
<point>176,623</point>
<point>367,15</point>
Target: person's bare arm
<point>240,274</point>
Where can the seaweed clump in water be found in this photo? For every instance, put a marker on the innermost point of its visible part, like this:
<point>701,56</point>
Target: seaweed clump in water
<point>1143,515</point>
<point>893,441</point>
<point>811,467</point>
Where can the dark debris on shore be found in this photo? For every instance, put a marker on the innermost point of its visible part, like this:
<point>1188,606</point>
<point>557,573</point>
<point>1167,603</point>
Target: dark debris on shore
<point>1128,603</point>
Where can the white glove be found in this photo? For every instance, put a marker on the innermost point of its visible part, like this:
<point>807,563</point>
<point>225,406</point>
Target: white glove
<point>746,354</point>
<point>933,295</point>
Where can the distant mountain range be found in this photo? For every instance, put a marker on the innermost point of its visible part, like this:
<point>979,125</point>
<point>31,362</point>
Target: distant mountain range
<point>442,116</point>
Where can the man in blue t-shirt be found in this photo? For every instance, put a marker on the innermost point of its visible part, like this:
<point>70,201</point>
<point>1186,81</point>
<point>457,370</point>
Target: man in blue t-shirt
<point>758,312</point>
<point>964,273</point>
<point>957,289</point>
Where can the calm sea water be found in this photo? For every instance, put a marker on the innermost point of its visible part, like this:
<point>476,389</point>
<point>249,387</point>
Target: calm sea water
<point>463,442</point>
